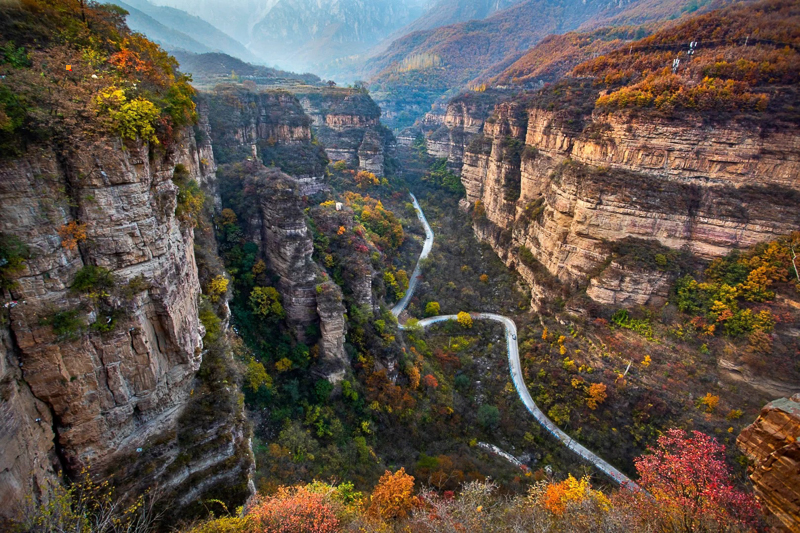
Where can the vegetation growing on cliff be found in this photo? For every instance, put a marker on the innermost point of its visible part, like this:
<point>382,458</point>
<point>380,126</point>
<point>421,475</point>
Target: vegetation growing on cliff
<point>70,68</point>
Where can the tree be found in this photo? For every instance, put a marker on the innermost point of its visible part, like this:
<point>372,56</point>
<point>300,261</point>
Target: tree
<point>687,476</point>
<point>465,319</point>
<point>430,381</point>
<point>71,234</point>
<point>393,496</point>
<point>488,416</point>
<point>432,309</point>
<point>266,303</point>
<point>365,179</point>
<point>597,395</point>
<point>256,375</point>
<point>217,287</point>
<point>295,510</point>
<point>558,496</point>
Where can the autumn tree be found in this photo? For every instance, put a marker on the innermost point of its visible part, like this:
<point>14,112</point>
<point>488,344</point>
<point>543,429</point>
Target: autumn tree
<point>432,309</point>
<point>71,234</point>
<point>217,288</point>
<point>559,496</point>
<point>295,510</point>
<point>393,496</point>
<point>597,395</point>
<point>687,477</point>
<point>365,179</point>
<point>465,319</point>
<point>266,303</point>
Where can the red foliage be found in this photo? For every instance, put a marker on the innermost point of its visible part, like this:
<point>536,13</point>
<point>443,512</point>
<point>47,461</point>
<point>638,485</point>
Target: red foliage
<point>688,476</point>
<point>430,381</point>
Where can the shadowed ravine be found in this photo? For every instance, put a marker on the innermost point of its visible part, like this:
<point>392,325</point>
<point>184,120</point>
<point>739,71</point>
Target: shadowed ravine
<point>513,362</point>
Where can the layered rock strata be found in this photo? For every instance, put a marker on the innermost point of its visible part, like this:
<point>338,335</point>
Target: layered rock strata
<point>564,190</point>
<point>347,123</point>
<point>771,444</point>
<point>90,379</point>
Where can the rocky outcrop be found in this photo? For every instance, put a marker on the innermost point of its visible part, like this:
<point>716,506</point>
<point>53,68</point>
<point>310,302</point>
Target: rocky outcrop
<point>565,188</point>
<point>279,228</point>
<point>333,327</point>
<point>771,444</point>
<point>449,131</point>
<point>288,247</point>
<point>620,286</point>
<point>96,377</point>
<point>269,126</point>
<point>347,123</point>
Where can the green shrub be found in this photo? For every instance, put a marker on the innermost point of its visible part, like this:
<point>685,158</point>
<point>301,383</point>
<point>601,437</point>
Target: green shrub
<point>13,254</point>
<point>488,416</point>
<point>93,279</point>
<point>65,324</point>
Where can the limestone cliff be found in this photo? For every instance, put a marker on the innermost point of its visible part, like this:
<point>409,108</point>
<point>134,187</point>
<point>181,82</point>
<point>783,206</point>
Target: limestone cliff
<point>276,222</point>
<point>95,379</point>
<point>771,444</point>
<point>347,123</point>
<point>449,131</point>
<point>564,188</point>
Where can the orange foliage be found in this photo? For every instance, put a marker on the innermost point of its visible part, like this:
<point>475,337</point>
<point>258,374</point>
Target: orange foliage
<point>393,496</point>
<point>597,395</point>
<point>71,234</point>
<point>295,510</point>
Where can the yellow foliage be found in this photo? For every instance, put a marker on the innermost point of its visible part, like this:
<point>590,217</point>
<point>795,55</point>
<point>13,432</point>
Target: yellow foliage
<point>465,319</point>
<point>710,401</point>
<point>413,376</point>
<point>544,334</point>
<point>217,287</point>
<point>260,267</point>
<point>283,365</point>
<point>597,395</point>
<point>647,361</point>
<point>228,217</point>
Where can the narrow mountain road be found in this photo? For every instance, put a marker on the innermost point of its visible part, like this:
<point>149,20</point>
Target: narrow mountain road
<point>513,363</point>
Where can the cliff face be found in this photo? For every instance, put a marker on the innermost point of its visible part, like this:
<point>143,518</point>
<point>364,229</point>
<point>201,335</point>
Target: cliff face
<point>771,444</point>
<point>347,123</point>
<point>91,379</point>
<point>449,131</point>
<point>565,192</point>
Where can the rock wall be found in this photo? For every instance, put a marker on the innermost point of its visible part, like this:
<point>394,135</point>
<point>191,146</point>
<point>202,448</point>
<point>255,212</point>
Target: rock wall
<point>347,123</point>
<point>119,373</point>
<point>564,189</point>
<point>279,228</point>
<point>771,444</point>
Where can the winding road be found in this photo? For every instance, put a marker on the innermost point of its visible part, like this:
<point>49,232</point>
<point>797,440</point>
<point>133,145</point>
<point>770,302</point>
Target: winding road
<point>513,363</point>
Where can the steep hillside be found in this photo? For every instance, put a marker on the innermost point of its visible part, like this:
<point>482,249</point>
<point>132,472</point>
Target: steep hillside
<point>213,40</point>
<point>422,67</point>
<point>701,160</point>
<point>447,12</point>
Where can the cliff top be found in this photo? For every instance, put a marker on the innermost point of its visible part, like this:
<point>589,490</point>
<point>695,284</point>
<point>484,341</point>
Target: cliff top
<point>68,68</point>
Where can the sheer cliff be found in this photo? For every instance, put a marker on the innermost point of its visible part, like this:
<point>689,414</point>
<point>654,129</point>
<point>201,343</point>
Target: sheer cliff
<point>102,343</point>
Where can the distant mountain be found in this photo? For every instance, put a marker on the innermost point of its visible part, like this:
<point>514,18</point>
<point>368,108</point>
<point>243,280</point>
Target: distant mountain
<point>446,12</point>
<point>310,34</point>
<point>424,66</point>
<point>210,69</point>
<point>169,38</point>
<point>181,25</point>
